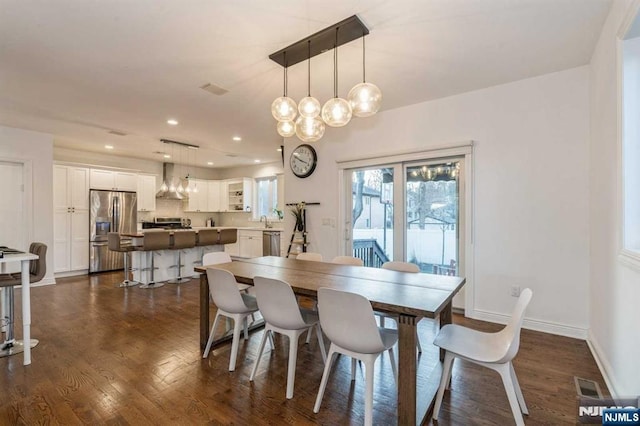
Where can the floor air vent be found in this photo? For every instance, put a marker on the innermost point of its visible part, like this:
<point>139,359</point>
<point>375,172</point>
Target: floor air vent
<point>587,388</point>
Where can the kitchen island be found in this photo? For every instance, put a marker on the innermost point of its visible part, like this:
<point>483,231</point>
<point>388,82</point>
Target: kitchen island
<point>165,259</point>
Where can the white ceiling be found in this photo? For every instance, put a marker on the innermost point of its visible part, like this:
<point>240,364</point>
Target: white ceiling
<point>78,68</point>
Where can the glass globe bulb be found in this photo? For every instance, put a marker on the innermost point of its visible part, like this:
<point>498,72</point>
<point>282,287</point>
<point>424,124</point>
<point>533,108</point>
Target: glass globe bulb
<point>195,188</point>
<point>180,188</point>
<point>164,186</point>
<point>172,186</point>
<point>286,128</point>
<point>365,99</point>
<point>284,109</point>
<point>309,107</point>
<point>336,112</point>
<point>309,129</point>
<point>187,189</point>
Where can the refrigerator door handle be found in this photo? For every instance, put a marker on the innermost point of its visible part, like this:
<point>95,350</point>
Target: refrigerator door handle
<point>116,214</point>
<point>99,244</point>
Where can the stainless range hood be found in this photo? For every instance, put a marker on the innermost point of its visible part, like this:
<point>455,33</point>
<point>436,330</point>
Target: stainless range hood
<point>172,182</point>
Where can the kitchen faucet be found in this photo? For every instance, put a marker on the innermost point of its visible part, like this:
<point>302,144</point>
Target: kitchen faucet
<point>266,221</point>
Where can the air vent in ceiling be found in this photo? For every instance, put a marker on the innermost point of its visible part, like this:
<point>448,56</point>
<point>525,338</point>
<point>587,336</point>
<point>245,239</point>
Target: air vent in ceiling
<point>216,90</point>
<point>117,133</point>
<point>230,155</point>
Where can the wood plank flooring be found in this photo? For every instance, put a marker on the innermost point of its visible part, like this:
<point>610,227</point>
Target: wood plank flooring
<point>117,356</point>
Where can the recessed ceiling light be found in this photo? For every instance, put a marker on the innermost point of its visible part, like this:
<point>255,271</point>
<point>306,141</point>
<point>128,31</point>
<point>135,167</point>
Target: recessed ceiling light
<point>108,146</point>
<point>166,156</point>
<point>210,163</point>
<point>256,161</point>
<point>172,122</point>
<point>237,138</point>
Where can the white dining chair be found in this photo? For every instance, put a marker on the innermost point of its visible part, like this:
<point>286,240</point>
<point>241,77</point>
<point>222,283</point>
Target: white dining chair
<point>281,313</point>
<point>492,350</point>
<point>348,321</point>
<point>217,257</point>
<point>231,304</point>
<point>399,266</point>
<point>316,257</point>
<point>348,260</point>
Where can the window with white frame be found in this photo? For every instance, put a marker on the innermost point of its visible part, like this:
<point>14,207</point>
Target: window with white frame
<point>266,197</point>
<point>631,146</point>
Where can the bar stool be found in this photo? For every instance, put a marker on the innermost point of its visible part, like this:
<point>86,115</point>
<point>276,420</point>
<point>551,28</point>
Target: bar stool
<point>115,244</point>
<point>37,271</point>
<point>206,237</point>
<point>154,241</point>
<point>228,236</point>
<point>182,240</point>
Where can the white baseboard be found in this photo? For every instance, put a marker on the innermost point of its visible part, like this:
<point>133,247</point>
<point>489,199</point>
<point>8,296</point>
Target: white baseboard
<point>531,324</point>
<point>603,365</point>
<point>71,273</point>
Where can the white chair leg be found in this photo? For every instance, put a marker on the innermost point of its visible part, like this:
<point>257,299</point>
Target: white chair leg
<point>505,374</point>
<point>325,378</point>
<point>368,401</point>
<point>394,367</point>
<point>237,330</point>
<point>320,341</point>
<point>523,405</point>
<point>291,370</point>
<point>446,372</point>
<point>260,351</point>
<point>210,341</point>
<point>273,345</point>
<point>353,369</point>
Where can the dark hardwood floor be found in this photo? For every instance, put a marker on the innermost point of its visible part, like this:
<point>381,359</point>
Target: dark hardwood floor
<point>117,356</point>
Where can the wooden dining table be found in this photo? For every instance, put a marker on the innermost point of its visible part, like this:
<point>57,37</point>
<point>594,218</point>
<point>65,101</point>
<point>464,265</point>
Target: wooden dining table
<point>410,296</point>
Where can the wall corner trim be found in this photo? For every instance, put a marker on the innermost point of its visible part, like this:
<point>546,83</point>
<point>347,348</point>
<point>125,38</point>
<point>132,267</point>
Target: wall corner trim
<point>603,364</point>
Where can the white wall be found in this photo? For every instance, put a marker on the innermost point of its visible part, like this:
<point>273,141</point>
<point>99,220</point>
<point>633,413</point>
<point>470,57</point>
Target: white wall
<point>531,225</point>
<point>615,287</point>
<point>24,145</point>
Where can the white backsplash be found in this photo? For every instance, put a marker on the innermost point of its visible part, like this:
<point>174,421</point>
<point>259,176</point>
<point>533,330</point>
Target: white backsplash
<point>175,208</point>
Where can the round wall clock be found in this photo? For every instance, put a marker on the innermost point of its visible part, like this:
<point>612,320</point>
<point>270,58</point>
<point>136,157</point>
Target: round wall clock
<point>303,160</point>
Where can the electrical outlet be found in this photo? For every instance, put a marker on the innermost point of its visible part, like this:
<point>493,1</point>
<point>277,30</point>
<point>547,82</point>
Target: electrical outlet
<point>515,291</point>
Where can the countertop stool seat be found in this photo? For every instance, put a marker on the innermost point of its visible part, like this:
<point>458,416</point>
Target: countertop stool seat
<point>37,271</point>
<point>228,236</point>
<point>182,240</point>
<point>154,241</point>
<point>206,237</point>
<point>115,244</point>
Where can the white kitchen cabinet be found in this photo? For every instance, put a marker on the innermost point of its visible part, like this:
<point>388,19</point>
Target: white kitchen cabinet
<point>146,193</point>
<point>213,200</point>
<point>238,195</point>
<point>71,218</point>
<point>113,180</point>
<point>198,201</point>
<point>250,243</point>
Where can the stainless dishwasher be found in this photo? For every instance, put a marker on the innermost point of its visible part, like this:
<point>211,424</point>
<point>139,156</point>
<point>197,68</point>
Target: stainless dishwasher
<point>271,243</point>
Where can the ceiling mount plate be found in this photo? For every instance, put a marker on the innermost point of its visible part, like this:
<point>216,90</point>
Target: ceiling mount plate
<point>324,40</point>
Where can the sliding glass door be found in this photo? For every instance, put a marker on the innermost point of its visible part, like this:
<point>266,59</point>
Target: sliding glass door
<point>406,211</point>
<point>432,223</point>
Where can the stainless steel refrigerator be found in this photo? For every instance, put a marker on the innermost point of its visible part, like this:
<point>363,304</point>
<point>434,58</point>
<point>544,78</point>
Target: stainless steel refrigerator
<point>109,211</point>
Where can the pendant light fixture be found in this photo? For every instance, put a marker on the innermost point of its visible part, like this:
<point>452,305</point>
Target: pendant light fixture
<point>336,112</point>
<point>365,98</point>
<point>284,109</point>
<point>309,107</point>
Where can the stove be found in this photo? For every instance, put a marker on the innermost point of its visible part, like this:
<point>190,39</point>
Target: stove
<point>168,223</point>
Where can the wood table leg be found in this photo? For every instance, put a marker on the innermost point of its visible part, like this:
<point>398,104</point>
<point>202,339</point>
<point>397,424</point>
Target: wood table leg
<point>445,318</point>
<point>204,311</point>
<point>407,369</point>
